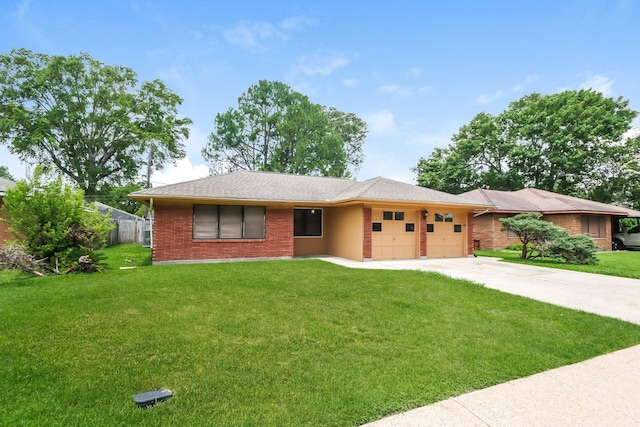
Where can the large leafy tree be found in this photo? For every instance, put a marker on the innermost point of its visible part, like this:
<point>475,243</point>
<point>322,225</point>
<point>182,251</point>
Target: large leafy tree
<point>93,122</point>
<point>567,142</point>
<point>277,129</point>
<point>4,173</point>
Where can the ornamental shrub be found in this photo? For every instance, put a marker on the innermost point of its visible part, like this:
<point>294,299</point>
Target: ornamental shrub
<point>535,235</point>
<point>542,239</point>
<point>575,249</point>
<point>53,221</point>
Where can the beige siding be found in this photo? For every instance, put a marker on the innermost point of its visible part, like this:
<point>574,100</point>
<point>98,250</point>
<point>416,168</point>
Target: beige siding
<point>345,232</point>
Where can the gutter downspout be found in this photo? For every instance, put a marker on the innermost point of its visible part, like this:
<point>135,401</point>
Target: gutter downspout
<point>151,224</point>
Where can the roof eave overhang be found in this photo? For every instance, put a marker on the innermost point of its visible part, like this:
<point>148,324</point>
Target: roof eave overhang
<point>146,198</point>
<point>555,212</point>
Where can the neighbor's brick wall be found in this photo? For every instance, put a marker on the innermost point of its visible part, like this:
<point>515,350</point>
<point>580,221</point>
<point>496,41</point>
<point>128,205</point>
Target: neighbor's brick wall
<point>487,230</point>
<point>570,222</point>
<point>4,234</point>
<point>173,241</point>
<point>573,224</point>
<point>366,237</point>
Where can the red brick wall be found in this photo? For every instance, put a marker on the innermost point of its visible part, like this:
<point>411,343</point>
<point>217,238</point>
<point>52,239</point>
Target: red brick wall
<point>470,233</point>
<point>366,243</point>
<point>4,234</point>
<point>487,230</point>
<point>173,241</point>
<point>573,224</point>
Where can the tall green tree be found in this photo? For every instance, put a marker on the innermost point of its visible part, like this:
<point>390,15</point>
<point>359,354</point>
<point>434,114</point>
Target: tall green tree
<point>568,142</point>
<point>277,129</point>
<point>4,173</point>
<point>93,122</point>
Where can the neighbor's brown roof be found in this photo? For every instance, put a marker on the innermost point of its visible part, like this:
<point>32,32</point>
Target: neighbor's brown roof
<point>277,187</point>
<point>544,202</point>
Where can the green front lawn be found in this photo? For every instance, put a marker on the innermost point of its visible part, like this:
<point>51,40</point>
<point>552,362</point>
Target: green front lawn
<point>299,342</point>
<point>618,263</point>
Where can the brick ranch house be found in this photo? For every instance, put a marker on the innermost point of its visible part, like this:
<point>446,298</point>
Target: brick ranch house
<point>4,234</point>
<point>248,215</point>
<point>577,216</point>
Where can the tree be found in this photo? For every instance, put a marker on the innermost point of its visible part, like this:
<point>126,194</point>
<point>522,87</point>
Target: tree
<point>567,142</point>
<point>536,235</point>
<point>543,239</point>
<point>91,121</point>
<point>4,173</point>
<point>118,197</point>
<point>574,249</point>
<point>277,129</point>
<point>53,221</point>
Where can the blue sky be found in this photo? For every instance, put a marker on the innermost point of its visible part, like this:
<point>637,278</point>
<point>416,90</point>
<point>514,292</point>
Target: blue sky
<point>415,71</point>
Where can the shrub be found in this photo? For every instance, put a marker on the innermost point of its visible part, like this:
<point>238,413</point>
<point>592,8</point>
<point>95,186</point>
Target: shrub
<point>575,249</point>
<point>535,235</point>
<point>53,221</point>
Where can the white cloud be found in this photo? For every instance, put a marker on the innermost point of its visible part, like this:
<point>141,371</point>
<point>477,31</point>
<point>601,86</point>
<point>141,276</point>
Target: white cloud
<point>350,82</point>
<point>297,23</point>
<point>415,72</point>
<point>253,36</point>
<point>22,8</point>
<point>396,90</point>
<point>381,122</point>
<point>400,90</point>
<point>599,83</point>
<point>488,99</point>
<point>321,65</point>
<point>182,171</point>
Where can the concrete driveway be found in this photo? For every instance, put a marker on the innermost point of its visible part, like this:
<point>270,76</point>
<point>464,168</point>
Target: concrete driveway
<point>603,391</point>
<point>595,293</point>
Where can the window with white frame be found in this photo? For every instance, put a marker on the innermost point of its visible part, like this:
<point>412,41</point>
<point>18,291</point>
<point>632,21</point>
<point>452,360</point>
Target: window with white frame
<point>228,222</point>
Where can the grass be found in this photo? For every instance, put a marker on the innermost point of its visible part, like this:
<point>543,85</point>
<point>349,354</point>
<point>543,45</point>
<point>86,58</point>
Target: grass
<point>299,342</point>
<point>618,263</point>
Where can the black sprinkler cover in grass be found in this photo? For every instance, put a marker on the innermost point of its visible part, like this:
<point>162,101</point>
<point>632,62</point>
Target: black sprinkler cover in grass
<point>151,397</point>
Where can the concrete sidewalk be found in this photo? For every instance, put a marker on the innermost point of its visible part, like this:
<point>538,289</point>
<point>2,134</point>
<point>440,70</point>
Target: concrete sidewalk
<point>604,391</point>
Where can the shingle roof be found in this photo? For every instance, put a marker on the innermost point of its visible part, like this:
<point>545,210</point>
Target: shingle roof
<point>4,184</point>
<point>546,202</point>
<point>277,187</point>
<point>115,213</point>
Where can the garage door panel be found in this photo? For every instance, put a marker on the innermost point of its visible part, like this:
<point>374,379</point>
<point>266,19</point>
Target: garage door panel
<point>394,241</point>
<point>443,241</point>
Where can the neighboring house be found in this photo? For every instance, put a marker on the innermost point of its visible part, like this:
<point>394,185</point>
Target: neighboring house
<point>245,214</point>
<point>129,228</point>
<point>4,234</point>
<point>577,216</point>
